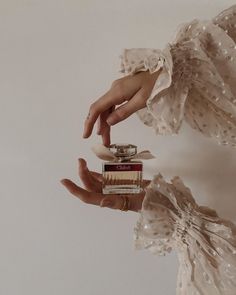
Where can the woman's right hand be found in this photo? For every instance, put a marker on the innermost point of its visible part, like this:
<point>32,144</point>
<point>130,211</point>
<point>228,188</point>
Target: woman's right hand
<point>92,191</point>
<point>129,93</point>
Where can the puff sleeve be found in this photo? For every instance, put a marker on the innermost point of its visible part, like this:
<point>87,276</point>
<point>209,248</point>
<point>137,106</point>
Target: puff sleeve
<point>170,219</point>
<point>197,81</point>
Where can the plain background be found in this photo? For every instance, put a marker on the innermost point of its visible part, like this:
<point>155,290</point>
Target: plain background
<point>56,58</point>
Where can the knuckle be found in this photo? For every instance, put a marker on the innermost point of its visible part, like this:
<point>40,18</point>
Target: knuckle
<point>143,96</point>
<point>142,100</point>
<point>93,108</point>
<point>119,88</point>
<point>121,113</point>
<point>115,82</point>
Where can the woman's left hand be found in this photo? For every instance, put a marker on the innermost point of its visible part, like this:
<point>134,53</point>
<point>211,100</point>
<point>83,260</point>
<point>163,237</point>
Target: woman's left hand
<point>92,194</point>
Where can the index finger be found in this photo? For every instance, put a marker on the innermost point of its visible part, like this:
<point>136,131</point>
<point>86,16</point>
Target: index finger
<point>109,99</point>
<point>84,195</point>
<point>97,199</point>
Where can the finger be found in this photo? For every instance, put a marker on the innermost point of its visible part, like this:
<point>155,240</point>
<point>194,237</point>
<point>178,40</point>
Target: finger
<point>96,175</point>
<point>85,196</point>
<point>101,124</point>
<point>90,183</point>
<point>106,136</point>
<point>138,101</point>
<point>104,129</point>
<point>75,189</point>
<point>120,92</point>
<point>117,202</point>
<point>102,104</point>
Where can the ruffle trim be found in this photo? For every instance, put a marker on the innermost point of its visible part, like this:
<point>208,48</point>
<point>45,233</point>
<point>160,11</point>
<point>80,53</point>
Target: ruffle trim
<point>205,243</point>
<point>135,60</point>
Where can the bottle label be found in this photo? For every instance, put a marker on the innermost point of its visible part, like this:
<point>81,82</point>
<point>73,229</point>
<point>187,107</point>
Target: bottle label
<point>123,167</point>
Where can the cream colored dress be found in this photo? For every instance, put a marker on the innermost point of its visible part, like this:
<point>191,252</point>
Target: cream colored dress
<point>197,83</point>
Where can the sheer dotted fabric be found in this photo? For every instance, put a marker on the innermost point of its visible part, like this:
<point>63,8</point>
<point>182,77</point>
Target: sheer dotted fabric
<point>205,243</point>
<point>197,81</point>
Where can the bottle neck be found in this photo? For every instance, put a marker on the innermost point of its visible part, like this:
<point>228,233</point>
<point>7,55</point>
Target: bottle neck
<point>124,159</point>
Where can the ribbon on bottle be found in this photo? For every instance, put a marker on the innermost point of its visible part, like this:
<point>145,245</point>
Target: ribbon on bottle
<point>103,153</point>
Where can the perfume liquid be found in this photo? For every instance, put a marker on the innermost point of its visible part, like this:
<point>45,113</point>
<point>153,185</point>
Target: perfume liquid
<point>124,175</point>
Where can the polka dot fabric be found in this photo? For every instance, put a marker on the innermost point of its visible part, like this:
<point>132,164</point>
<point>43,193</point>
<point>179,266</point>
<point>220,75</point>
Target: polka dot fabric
<point>170,219</point>
<point>197,81</point>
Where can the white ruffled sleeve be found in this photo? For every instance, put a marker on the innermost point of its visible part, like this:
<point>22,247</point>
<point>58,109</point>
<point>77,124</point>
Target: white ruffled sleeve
<point>197,81</point>
<point>205,243</point>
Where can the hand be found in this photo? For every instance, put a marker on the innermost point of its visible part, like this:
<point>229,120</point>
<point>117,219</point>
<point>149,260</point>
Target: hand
<point>92,194</point>
<point>133,90</point>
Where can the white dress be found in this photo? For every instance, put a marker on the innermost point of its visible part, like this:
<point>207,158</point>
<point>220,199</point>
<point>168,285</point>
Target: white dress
<point>197,83</point>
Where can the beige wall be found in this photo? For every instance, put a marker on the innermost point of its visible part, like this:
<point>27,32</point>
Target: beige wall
<point>56,57</point>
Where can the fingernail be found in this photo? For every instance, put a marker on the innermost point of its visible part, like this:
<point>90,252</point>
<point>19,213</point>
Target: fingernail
<point>106,203</point>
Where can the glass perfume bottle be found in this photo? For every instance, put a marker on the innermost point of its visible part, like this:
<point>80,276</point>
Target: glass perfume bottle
<point>123,175</point>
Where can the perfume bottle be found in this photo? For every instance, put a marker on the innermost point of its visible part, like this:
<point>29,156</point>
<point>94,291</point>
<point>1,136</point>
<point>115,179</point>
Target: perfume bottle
<point>123,175</point>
